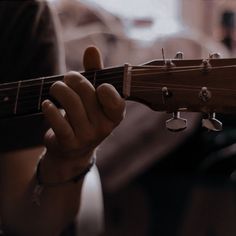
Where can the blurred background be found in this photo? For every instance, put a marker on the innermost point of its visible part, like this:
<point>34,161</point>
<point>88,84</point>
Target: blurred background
<point>155,182</point>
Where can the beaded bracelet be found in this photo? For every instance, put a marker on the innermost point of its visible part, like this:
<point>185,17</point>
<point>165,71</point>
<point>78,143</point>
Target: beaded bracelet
<point>40,185</point>
<point>74,179</point>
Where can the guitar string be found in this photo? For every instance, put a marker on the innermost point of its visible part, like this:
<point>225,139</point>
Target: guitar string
<point>157,72</point>
<point>103,72</point>
<point>144,89</point>
<point>32,107</point>
<point>55,78</point>
<point>146,83</point>
<point>111,77</point>
<point>173,86</point>
<point>113,82</point>
<point>152,87</point>
<point>136,86</point>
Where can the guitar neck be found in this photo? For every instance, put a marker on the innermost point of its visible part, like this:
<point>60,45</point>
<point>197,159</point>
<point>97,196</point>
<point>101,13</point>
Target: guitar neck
<point>25,97</point>
<point>165,85</point>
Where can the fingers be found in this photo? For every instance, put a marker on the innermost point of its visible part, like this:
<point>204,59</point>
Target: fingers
<point>92,59</point>
<point>86,107</point>
<point>113,105</point>
<point>60,126</point>
<point>91,114</point>
<point>86,92</point>
<point>73,106</point>
<point>106,96</point>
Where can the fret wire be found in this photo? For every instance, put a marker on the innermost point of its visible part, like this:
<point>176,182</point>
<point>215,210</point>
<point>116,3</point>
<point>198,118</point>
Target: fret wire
<point>26,107</point>
<point>34,97</point>
<point>17,96</point>
<point>33,81</point>
<point>45,94</point>
<point>107,71</point>
<point>51,82</point>
<point>140,86</point>
<point>25,103</point>
<point>31,93</point>
<point>26,99</point>
<point>40,94</point>
<point>32,108</point>
<point>104,76</point>
<point>55,78</point>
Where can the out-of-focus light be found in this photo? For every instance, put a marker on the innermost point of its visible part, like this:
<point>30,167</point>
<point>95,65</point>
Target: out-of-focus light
<point>164,16</point>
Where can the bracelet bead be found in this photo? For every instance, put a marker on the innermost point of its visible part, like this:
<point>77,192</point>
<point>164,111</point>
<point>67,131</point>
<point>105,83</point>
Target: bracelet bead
<point>40,184</point>
<point>73,179</point>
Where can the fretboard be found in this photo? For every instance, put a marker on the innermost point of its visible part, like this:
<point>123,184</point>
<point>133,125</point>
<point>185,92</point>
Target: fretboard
<point>25,97</point>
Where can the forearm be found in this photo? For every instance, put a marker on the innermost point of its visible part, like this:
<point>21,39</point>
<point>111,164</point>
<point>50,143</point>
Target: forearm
<point>20,215</point>
<point>90,116</point>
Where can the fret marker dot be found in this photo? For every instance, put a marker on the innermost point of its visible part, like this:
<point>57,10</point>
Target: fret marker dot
<point>6,99</point>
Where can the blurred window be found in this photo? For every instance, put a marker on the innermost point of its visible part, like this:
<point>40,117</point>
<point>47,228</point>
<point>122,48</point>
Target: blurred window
<point>145,19</point>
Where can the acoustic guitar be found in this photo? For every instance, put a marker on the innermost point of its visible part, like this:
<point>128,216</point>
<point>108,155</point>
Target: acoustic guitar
<point>207,86</point>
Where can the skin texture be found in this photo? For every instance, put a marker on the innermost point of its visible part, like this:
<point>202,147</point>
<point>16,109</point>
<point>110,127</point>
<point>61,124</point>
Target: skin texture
<point>90,116</point>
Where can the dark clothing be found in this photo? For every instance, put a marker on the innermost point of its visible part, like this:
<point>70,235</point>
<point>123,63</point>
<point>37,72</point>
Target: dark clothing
<point>29,44</point>
<point>29,48</point>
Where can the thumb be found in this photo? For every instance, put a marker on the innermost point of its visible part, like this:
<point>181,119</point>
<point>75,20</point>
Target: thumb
<point>92,59</point>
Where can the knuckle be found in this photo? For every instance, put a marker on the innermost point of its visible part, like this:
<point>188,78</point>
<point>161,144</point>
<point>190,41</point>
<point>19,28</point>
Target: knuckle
<point>56,87</point>
<point>73,78</point>
<point>78,82</point>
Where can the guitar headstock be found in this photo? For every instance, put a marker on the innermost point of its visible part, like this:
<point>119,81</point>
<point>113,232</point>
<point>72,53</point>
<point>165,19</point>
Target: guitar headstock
<point>203,85</point>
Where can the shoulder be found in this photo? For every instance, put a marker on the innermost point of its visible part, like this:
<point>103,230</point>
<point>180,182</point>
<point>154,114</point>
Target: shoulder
<point>24,12</point>
<point>21,6</point>
<point>29,40</point>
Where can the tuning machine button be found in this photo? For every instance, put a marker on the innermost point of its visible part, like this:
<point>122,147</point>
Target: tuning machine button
<point>176,123</point>
<point>205,94</point>
<point>211,123</point>
<point>215,56</point>
<point>179,55</point>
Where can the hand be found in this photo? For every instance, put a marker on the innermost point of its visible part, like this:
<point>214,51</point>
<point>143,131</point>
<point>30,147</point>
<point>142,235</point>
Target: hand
<point>90,116</point>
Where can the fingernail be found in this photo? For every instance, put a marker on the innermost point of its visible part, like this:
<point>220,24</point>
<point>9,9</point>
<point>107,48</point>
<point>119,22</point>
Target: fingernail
<point>46,104</point>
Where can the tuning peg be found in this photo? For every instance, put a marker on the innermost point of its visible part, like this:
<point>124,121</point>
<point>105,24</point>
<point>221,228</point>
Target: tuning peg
<point>215,56</point>
<point>176,123</point>
<point>179,55</point>
<point>212,123</point>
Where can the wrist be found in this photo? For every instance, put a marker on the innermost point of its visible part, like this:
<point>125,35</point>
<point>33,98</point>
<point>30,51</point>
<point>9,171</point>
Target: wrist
<point>57,179</point>
<point>59,170</point>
